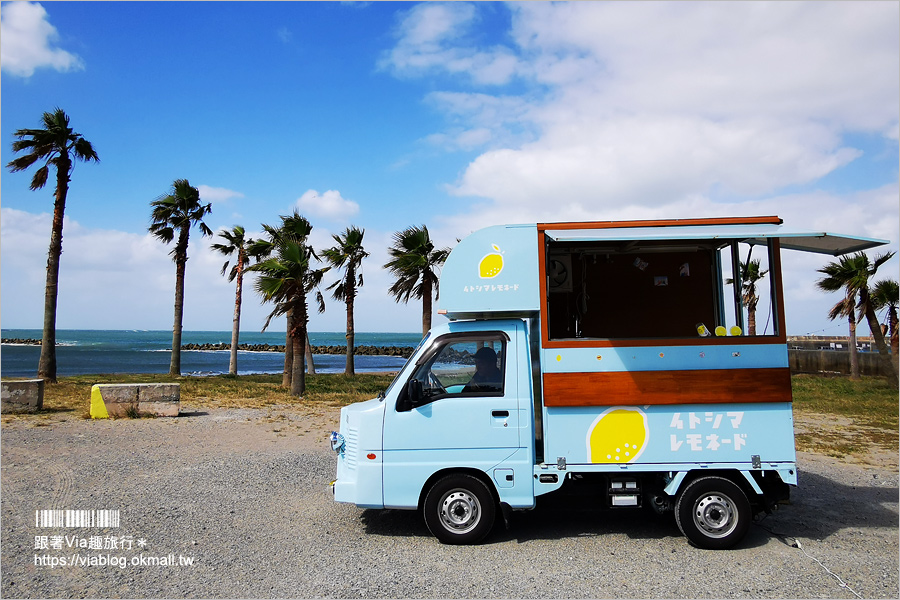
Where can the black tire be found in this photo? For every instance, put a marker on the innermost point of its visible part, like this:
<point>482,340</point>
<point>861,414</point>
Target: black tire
<point>459,509</point>
<point>713,513</point>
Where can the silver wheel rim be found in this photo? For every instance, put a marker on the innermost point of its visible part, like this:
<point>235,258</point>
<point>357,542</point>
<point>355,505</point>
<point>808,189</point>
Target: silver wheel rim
<point>715,515</point>
<point>460,511</point>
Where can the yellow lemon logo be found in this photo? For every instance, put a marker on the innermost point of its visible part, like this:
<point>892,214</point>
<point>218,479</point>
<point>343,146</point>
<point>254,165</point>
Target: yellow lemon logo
<point>619,435</point>
<point>491,265</point>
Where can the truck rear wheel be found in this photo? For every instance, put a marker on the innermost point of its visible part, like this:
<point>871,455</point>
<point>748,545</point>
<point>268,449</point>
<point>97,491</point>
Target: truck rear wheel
<point>713,513</point>
<point>459,509</point>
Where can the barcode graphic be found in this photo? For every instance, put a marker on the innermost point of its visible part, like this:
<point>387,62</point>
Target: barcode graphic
<point>76,518</point>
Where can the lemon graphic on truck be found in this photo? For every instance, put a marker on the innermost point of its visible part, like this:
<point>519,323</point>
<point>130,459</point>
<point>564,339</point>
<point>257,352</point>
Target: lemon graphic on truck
<point>491,265</point>
<point>618,435</point>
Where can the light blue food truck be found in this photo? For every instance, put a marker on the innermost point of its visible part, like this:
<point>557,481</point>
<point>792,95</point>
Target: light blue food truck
<point>615,358</point>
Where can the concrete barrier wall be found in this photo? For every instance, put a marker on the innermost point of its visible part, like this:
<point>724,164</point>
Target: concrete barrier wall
<point>21,396</point>
<point>834,361</point>
<point>135,399</point>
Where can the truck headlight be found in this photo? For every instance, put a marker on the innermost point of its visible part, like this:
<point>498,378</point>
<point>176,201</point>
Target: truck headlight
<point>337,443</point>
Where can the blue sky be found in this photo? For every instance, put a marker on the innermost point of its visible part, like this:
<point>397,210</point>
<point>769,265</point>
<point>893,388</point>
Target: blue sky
<point>458,116</point>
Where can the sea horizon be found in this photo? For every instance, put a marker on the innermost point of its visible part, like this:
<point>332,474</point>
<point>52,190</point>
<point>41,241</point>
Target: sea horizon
<point>148,351</point>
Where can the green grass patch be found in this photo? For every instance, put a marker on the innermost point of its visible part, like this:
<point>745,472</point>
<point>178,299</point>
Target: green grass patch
<point>73,394</point>
<point>871,401</point>
<point>841,417</point>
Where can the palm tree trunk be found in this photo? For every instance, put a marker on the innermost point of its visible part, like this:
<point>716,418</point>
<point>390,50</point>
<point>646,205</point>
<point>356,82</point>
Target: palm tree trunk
<point>752,302</point>
<point>47,361</point>
<point>310,365</point>
<point>351,333</point>
<point>883,353</point>
<point>236,322</point>
<point>854,356</point>
<point>288,352</point>
<point>180,263</point>
<point>298,381</point>
<point>426,304</point>
<point>895,338</point>
<point>298,335</point>
<point>175,363</point>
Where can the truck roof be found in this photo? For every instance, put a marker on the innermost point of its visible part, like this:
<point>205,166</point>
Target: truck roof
<point>494,271</point>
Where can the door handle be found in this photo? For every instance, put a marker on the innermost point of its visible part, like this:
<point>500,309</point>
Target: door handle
<point>499,413</point>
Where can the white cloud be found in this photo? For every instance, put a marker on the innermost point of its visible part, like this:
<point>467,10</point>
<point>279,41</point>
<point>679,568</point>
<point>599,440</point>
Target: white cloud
<point>633,109</point>
<point>107,278</point>
<point>813,60</point>
<point>117,280</point>
<point>481,120</point>
<point>428,37</point>
<point>329,205</point>
<point>217,195</point>
<point>652,160</point>
<point>27,41</point>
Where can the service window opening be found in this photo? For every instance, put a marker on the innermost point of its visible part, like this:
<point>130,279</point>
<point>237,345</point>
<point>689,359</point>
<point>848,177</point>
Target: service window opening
<point>641,289</point>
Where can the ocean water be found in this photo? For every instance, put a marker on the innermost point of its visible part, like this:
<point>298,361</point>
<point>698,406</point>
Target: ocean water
<point>90,352</point>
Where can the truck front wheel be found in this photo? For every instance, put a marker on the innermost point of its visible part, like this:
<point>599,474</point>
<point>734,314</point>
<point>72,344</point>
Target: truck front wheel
<point>459,509</point>
<point>713,513</point>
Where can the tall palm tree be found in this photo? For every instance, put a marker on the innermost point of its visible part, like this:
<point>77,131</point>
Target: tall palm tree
<point>414,263</point>
<point>172,217</point>
<point>55,145</point>
<point>751,274</point>
<point>852,274</point>
<point>886,294</point>
<point>348,254</point>
<point>286,278</point>
<point>235,242</point>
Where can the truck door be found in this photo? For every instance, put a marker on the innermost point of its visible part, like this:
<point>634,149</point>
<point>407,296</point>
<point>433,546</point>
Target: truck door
<point>459,409</point>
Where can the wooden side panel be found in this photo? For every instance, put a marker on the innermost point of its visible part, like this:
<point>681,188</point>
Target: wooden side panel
<point>667,387</point>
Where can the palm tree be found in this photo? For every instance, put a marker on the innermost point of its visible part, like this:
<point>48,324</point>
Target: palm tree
<point>235,242</point>
<point>286,278</point>
<point>348,254</point>
<point>885,294</point>
<point>57,145</point>
<point>750,274</point>
<point>846,308</point>
<point>414,262</point>
<point>852,274</point>
<point>261,249</point>
<point>299,228</point>
<point>172,217</point>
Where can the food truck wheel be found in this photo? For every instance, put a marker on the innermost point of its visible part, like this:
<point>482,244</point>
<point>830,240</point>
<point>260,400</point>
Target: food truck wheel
<point>459,509</point>
<point>713,513</point>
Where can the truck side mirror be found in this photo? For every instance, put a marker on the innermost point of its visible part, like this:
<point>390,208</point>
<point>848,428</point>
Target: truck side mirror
<point>414,393</point>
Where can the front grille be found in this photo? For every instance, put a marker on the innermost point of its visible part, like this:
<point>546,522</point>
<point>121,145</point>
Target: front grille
<point>351,447</point>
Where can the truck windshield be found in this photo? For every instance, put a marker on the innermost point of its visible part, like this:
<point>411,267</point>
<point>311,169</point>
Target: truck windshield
<point>406,366</point>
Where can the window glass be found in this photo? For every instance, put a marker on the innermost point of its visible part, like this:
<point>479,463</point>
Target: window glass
<point>747,298</point>
<point>464,367</point>
<point>658,289</point>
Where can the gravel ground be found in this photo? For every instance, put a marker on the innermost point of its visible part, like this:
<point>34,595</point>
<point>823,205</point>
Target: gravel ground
<point>244,494</point>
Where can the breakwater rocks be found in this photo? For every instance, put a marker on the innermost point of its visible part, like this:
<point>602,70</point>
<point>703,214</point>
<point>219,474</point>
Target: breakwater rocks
<point>21,341</point>
<point>401,351</point>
